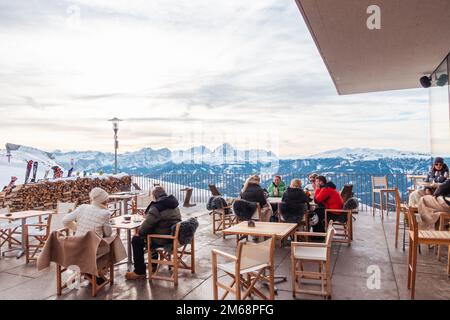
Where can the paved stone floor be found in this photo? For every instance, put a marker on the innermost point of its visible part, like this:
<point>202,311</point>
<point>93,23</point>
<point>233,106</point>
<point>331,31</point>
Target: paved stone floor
<point>373,245</point>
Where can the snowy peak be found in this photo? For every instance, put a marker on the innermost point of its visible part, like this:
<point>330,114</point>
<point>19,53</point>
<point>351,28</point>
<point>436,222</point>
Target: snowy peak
<point>366,154</point>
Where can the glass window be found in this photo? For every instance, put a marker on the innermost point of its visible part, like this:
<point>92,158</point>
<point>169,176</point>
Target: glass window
<point>440,111</point>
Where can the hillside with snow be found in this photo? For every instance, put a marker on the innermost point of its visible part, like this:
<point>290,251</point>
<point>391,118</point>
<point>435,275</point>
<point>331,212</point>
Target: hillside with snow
<point>225,159</point>
<point>18,163</point>
<point>366,154</point>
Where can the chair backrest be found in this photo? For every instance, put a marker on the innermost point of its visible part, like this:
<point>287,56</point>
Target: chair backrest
<point>290,214</point>
<point>65,207</point>
<point>215,192</point>
<point>244,209</point>
<point>347,192</point>
<point>250,254</point>
<point>398,200</point>
<point>379,182</point>
<point>413,217</point>
<point>136,186</point>
<point>143,200</point>
<point>186,230</point>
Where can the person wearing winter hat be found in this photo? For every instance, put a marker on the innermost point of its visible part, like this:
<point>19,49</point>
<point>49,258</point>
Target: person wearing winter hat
<point>160,216</point>
<point>438,174</point>
<point>91,217</point>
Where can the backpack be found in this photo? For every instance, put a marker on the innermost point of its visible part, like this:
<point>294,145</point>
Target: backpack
<point>351,204</point>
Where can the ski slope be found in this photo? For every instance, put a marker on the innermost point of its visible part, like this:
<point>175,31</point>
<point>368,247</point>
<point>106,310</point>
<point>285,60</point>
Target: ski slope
<point>18,164</point>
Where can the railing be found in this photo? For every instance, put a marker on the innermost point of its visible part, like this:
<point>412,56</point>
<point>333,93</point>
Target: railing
<point>230,185</point>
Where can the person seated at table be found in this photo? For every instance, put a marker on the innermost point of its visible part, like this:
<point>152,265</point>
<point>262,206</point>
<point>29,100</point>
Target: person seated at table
<point>310,188</point>
<point>160,216</point>
<point>296,202</point>
<point>253,192</point>
<point>431,206</point>
<point>327,197</point>
<point>277,187</point>
<point>91,217</point>
<point>438,173</point>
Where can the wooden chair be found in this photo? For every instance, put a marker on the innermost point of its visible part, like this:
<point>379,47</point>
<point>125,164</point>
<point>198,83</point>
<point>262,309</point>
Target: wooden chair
<point>380,187</point>
<point>171,255</point>
<point>136,186</point>
<point>7,231</point>
<point>343,231</point>
<point>347,192</point>
<point>417,237</point>
<point>247,267</point>
<point>35,236</point>
<point>400,209</point>
<point>187,199</point>
<point>105,271</point>
<point>222,219</point>
<point>140,203</point>
<point>444,219</point>
<point>214,191</point>
<point>311,252</point>
<point>257,215</point>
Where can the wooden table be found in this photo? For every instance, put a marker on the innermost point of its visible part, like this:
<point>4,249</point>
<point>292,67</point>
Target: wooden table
<point>262,229</point>
<point>119,223</point>
<point>23,216</point>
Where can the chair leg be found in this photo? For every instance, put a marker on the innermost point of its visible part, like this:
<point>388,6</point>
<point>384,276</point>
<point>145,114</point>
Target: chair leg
<point>397,226</point>
<point>193,256</point>
<point>373,204</point>
<point>414,271</point>
<point>214,277</point>
<point>410,262</point>
<point>94,285</point>
<point>294,278</point>
<point>381,204</point>
<point>404,232</point>
<point>111,275</point>
<point>58,280</point>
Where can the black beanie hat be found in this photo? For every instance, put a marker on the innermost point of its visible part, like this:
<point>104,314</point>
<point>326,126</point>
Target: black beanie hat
<point>438,160</point>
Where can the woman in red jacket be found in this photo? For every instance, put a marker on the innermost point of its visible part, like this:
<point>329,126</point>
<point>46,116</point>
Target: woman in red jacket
<point>327,197</point>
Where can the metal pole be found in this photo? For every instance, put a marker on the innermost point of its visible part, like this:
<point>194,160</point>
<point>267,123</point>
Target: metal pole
<point>116,145</point>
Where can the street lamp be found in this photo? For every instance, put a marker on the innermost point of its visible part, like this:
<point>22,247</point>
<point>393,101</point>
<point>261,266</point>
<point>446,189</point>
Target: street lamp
<point>115,122</point>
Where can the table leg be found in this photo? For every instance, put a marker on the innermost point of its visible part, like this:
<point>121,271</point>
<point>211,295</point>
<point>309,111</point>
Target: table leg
<point>130,262</point>
<point>22,250</point>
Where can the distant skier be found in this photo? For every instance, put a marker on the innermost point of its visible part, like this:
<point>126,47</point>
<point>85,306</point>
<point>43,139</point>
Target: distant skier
<point>69,174</point>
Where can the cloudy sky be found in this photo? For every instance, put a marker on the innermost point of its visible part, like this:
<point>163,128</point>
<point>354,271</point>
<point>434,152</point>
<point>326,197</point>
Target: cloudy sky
<point>183,73</point>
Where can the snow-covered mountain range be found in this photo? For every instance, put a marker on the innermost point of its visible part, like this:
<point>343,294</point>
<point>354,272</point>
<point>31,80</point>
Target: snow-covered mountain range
<point>223,159</point>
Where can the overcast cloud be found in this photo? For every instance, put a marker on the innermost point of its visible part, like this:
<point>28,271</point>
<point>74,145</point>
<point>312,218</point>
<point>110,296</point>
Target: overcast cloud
<point>183,72</point>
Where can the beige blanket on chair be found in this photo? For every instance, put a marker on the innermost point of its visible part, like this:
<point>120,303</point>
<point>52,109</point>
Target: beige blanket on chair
<point>84,252</point>
<point>430,209</point>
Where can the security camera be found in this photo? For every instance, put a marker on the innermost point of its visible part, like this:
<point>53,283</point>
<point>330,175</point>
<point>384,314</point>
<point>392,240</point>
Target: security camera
<point>425,81</point>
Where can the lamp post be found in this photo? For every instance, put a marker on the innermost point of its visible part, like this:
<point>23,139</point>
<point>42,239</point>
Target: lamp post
<point>115,123</point>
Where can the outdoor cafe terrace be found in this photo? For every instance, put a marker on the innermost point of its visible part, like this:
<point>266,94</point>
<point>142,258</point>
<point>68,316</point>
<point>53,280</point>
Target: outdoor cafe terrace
<point>371,266</point>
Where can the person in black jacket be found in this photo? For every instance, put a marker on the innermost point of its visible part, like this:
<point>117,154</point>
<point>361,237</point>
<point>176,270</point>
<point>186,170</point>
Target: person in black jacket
<point>438,174</point>
<point>160,216</point>
<point>296,202</point>
<point>253,192</point>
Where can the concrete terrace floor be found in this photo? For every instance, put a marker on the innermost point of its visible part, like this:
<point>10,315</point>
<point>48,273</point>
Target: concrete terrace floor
<point>373,245</point>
